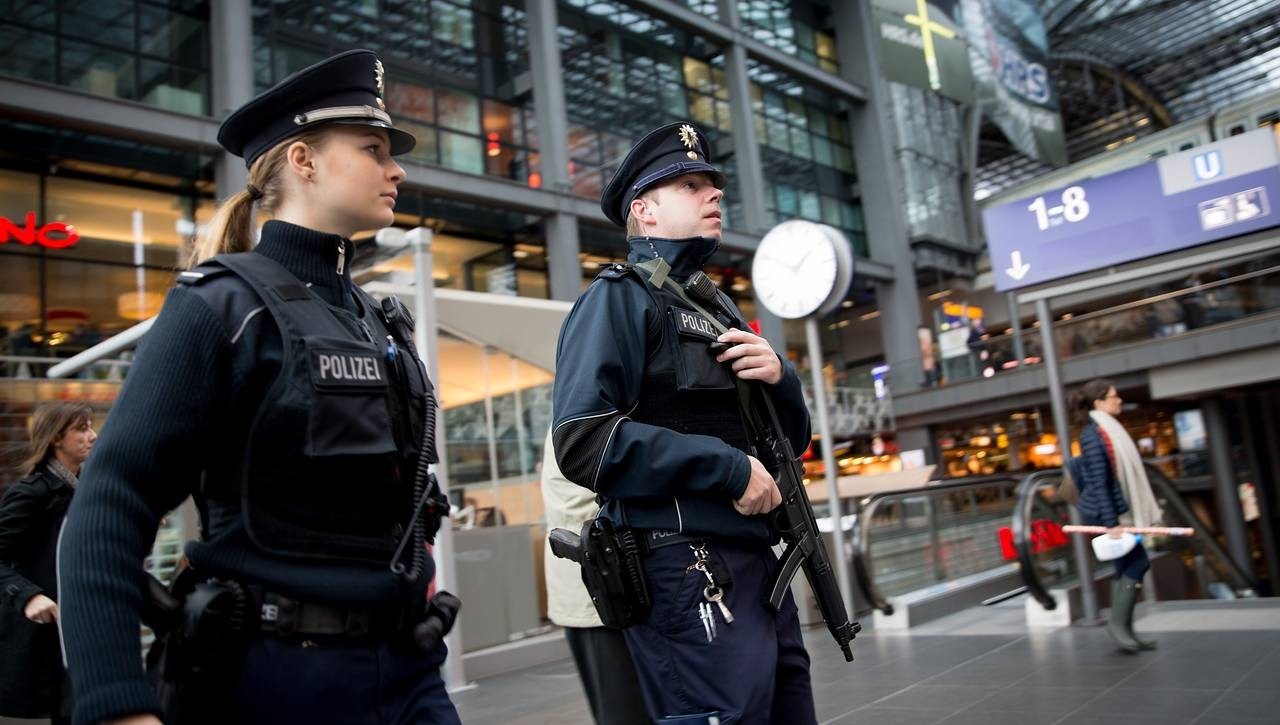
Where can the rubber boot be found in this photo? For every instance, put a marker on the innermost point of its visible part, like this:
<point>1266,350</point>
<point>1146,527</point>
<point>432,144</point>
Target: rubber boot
<point>1122,601</point>
<point>1145,644</point>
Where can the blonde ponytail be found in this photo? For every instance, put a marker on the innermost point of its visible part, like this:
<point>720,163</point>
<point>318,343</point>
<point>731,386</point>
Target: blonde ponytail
<point>231,228</point>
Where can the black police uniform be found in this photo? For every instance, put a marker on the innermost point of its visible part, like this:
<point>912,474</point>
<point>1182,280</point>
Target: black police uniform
<point>293,407</point>
<point>646,418</point>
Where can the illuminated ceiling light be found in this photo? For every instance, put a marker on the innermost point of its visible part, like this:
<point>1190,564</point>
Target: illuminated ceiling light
<point>492,146</point>
<point>939,295</point>
<point>869,315</point>
<point>1144,121</point>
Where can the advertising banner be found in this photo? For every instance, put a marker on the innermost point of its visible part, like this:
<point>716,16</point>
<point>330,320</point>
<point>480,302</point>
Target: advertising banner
<point>1008,52</point>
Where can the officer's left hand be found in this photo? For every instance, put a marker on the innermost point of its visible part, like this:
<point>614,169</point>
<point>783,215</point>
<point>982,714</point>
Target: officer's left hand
<point>752,356</point>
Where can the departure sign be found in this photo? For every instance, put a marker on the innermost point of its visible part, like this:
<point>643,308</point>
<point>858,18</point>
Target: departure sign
<point>1211,192</point>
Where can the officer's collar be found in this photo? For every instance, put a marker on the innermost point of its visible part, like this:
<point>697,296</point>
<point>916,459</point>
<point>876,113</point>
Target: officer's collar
<point>312,257</point>
<point>686,255</point>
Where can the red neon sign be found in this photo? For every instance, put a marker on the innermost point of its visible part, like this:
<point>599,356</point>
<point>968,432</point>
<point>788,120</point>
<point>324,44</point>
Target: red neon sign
<point>29,233</point>
<point>1045,535</point>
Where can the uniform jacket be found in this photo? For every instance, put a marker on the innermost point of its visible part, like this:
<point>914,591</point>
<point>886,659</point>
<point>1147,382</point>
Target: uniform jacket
<point>650,476</point>
<point>185,409</point>
<point>568,506</point>
<point>1101,500</point>
<point>31,514</point>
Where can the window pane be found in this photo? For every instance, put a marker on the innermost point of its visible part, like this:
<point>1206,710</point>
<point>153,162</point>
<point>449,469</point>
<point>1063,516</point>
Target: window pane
<point>37,14</point>
<point>173,88</point>
<point>463,153</point>
<point>409,101</point>
<point>104,72</point>
<point>118,223</point>
<point>108,22</point>
<point>26,54</point>
<point>458,111</point>
<point>177,38</point>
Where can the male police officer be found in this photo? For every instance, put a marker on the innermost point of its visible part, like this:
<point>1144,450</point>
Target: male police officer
<point>647,416</point>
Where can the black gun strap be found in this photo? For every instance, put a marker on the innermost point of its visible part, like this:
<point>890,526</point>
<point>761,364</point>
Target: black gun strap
<point>655,271</point>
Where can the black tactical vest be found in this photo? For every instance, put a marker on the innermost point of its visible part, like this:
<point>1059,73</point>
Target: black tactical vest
<point>683,387</point>
<point>327,470</point>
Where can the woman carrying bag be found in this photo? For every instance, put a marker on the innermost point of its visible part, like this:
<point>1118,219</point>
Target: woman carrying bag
<point>1113,490</point>
<point>31,514</point>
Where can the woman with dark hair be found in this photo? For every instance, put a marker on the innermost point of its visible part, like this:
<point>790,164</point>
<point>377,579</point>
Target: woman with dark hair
<point>1113,491</point>
<point>31,513</point>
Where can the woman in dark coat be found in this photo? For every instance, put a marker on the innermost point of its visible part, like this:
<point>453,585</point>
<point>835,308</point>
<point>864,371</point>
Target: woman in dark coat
<point>1114,491</point>
<point>31,513</point>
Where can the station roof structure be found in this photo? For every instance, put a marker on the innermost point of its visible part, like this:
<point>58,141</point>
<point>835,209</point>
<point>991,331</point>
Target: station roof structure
<point>1127,68</point>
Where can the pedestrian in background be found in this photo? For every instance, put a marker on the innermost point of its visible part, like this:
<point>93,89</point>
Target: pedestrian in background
<point>600,654</point>
<point>1114,491</point>
<point>32,679</point>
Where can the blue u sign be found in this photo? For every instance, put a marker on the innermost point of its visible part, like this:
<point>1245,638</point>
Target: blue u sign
<point>1207,165</point>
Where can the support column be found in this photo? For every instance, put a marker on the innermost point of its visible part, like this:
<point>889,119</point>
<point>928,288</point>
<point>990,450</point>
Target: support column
<point>564,268</point>
<point>563,247</point>
<point>1253,428</point>
<point>548,94</point>
<point>880,190</point>
<point>1015,322</point>
<point>1230,517</point>
<point>1057,398</point>
<point>231,63</point>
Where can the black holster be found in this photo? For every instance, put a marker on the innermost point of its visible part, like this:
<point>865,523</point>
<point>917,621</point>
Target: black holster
<point>612,570</point>
<point>201,635</point>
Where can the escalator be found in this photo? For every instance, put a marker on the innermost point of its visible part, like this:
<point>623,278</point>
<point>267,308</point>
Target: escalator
<point>943,536</point>
<point>1004,534</point>
<point>1045,556</point>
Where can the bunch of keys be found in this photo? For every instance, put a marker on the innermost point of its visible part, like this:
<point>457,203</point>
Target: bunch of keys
<point>713,593</point>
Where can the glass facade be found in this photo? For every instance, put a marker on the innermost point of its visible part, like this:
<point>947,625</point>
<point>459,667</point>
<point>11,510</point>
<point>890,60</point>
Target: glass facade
<point>90,244</point>
<point>929,128</point>
<point>807,154</point>
<point>623,78</point>
<point>457,72</point>
<point>154,52</point>
<point>793,27</point>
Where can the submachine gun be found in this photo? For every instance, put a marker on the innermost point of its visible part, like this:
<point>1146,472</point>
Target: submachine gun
<point>794,518</point>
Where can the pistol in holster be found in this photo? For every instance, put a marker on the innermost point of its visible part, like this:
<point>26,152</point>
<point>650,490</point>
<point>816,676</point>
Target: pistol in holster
<point>612,570</point>
<point>201,634</point>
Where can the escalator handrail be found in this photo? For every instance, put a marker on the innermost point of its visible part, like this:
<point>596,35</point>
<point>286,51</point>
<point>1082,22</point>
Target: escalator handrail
<point>1205,537</point>
<point>860,534</point>
<point>1021,525</point>
<point>1163,488</point>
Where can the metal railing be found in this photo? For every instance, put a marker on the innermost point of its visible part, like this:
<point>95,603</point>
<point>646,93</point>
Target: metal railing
<point>1045,561</point>
<point>942,531</point>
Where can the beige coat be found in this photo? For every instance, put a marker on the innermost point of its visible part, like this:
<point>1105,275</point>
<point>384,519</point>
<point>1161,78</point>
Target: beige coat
<point>568,506</point>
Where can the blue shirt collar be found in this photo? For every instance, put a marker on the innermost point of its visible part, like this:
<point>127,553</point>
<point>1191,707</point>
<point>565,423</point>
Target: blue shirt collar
<point>685,256</point>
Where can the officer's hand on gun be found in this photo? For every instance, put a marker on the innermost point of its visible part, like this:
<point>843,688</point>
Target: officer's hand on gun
<point>753,358</point>
<point>762,495</point>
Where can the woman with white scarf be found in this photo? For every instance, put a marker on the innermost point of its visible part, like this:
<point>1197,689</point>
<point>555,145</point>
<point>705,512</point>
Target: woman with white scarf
<point>1114,491</point>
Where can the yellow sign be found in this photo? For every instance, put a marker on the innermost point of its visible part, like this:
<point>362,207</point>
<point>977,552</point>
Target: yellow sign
<point>927,28</point>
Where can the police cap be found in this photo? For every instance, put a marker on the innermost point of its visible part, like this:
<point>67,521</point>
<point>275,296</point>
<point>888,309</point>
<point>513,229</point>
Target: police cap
<point>346,88</point>
<point>674,149</point>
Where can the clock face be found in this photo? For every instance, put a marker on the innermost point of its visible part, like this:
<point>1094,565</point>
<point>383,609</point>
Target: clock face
<point>796,269</point>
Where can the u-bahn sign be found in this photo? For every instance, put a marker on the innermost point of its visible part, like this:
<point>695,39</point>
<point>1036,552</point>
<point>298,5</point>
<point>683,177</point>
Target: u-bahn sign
<point>1211,192</point>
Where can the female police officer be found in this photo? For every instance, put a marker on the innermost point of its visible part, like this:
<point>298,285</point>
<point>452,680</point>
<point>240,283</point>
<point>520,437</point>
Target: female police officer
<point>294,409</point>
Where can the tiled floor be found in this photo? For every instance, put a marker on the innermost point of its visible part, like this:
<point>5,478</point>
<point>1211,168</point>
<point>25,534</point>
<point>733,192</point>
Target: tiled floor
<point>1218,664</point>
